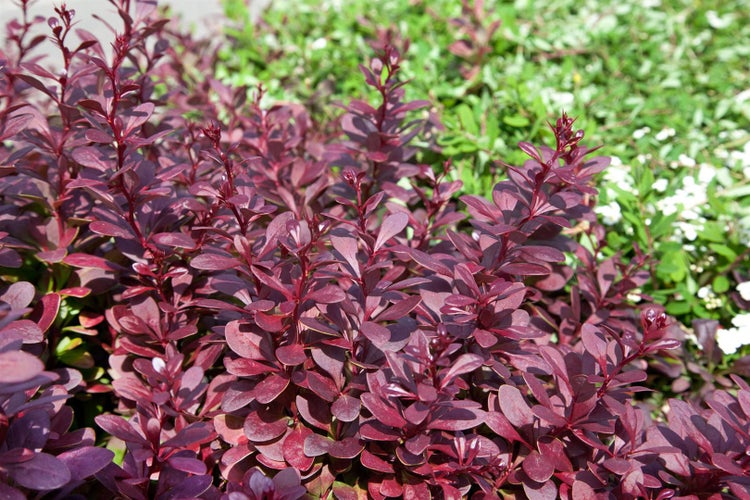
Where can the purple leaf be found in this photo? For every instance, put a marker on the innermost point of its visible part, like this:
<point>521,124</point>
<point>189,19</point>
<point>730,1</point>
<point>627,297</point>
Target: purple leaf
<point>263,424</point>
<point>373,462</point>
<point>109,229</point>
<point>514,406</point>
<point>19,295</point>
<point>392,225</point>
<point>195,433</point>
<point>93,157</point>
<point>382,411</point>
<point>270,388</point>
<point>9,493</point>
<point>26,330</point>
<point>49,305</point>
<point>377,334</point>
<point>294,447</point>
<point>347,248</point>
<point>86,461</point>
<point>30,430</point>
<point>120,428</point>
<point>214,262</point>
<point>42,472</point>
<point>348,448</point>
<point>189,465</point>
<point>317,445</point>
<point>465,363</point>
<point>346,408</point>
<point>18,366</point>
<point>291,355</point>
<point>538,467</point>
<point>179,240</point>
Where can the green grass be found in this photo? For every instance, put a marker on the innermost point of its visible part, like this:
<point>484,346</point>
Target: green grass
<point>663,86</point>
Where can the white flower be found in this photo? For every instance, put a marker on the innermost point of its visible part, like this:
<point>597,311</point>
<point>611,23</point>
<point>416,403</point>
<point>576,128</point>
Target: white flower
<point>742,96</point>
<point>686,160</point>
<point>706,173</point>
<point>610,213</point>
<point>729,340</point>
<point>744,290</point>
<point>689,231</point>
<point>704,292</point>
<point>318,44</point>
<point>668,205</point>
<point>742,321</point>
<point>641,133</point>
<point>665,134</point>
<point>717,22</point>
<point>660,185</point>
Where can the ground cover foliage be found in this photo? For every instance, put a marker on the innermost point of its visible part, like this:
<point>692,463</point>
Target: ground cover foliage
<point>204,296</point>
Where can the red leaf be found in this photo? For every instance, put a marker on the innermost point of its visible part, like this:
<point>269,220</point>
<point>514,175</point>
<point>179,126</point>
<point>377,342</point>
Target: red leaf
<point>377,334</point>
<point>270,388</point>
<point>291,355</point>
<point>347,248</point>
<point>314,411</point>
<point>346,408</point>
<point>214,262</point>
<point>330,294</point>
<point>43,472</point>
<point>348,448</point>
<point>514,406</point>
<point>189,465</point>
<point>85,260</point>
<point>382,411</point>
<point>178,240</point>
<point>92,157</point>
<point>400,308</point>
<point>18,366</point>
<point>120,428</point>
<point>48,307</point>
<point>392,225</point>
<point>263,424</point>
<point>316,445</point>
<point>375,463</point>
<point>109,229</point>
<point>465,363</point>
<point>294,446</point>
<point>19,295</point>
<point>86,461</point>
<point>77,292</point>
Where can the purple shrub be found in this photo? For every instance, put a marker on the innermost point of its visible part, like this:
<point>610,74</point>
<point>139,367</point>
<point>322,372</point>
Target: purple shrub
<point>249,305</point>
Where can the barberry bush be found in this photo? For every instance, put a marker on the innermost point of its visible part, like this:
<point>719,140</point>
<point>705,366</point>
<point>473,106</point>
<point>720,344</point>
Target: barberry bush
<point>207,297</point>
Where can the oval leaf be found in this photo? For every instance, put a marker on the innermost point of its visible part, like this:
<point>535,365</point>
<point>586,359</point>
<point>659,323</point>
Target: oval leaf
<point>392,225</point>
<point>18,366</point>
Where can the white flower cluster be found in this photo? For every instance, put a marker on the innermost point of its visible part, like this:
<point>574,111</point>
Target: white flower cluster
<point>731,339</point>
<point>617,174</point>
<point>689,200</point>
<point>710,299</point>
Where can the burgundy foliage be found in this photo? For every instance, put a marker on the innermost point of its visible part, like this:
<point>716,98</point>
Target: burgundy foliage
<point>264,309</point>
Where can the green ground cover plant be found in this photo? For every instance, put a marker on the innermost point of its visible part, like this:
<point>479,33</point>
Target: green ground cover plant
<point>665,84</point>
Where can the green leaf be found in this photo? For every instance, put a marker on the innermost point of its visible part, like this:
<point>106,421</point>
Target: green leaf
<point>466,116</point>
<point>720,284</point>
<point>677,308</point>
<point>516,121</point>
<point>723,250</point>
